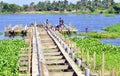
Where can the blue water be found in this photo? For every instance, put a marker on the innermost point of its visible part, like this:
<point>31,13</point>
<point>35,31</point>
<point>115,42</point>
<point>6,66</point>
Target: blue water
<point>111,41</point>
<point>93,22</point>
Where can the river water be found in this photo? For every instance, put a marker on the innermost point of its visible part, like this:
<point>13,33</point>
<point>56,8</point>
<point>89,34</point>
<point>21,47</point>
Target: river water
<point>93,22</point>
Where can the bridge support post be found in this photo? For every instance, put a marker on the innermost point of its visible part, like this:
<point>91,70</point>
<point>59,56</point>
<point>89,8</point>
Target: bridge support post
<point>87,71</point>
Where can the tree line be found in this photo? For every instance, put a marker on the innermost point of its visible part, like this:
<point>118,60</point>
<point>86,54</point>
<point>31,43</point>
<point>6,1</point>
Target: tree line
<point>84,6</point>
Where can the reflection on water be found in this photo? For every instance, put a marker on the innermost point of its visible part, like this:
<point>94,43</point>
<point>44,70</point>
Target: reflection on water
<point>2,37</point>
<point>12,38</point>
<point>111,41</point>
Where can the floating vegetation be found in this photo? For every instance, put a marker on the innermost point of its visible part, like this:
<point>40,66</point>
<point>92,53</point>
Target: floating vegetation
<point>105,35</point>
<point>112,53</point>
<point>9,50</point>
<point>109,15</point>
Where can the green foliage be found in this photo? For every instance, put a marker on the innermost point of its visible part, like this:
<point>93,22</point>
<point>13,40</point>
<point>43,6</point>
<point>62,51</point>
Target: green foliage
<point>117,7</point>
<point>113,28</point>
<point>63,6</point>
<point>25,7</point>
<point>5,7</point>
<point>112,53</point>
<point>9,50</point>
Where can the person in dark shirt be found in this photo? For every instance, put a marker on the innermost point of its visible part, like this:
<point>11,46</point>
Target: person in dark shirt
<point>60,21</point>
<point>46,21</point>
<point>86,29</point>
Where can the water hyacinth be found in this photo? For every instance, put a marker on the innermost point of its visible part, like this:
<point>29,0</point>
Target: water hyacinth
<point>9,50</point>
<point>112,53</point>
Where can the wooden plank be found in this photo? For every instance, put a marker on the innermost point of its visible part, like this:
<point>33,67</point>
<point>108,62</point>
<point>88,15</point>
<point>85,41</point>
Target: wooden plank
<point>52,54</point>
<point>44,34</point>
<point>57,67</point>
<point>94,61</point>
<point>103,65</point>
<point>49,47</point>
<point>23,69</point>
<point>23,63</point>
<point>53,57</point>
<point>61,73</point>
<point>35,70</point>
<point>23,55</point>
<point>48,43</point>
<point>24,49</point>
<point>55,61</point>
<point>23,58</point>
<point>50,50</point>
<point>46,38</point>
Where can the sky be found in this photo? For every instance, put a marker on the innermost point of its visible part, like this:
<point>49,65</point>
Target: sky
<point>21,2</point>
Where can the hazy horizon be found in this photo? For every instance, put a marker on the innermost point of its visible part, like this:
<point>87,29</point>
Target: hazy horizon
<point>21,2</point>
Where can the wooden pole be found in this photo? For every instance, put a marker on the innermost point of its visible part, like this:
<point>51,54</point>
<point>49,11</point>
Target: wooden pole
<point>87,57</point>
<point>65,40</point>
<point>112,72</point>
<point>68,43</point>
<point>78,52</point>
<point>103,64</point>
<point>94,66</point>
<point>82,53</point>
<point>75,46</point>
<point>71,46</point>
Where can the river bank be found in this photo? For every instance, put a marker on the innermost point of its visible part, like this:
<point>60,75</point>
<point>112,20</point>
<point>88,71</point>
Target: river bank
<point>61,12</point>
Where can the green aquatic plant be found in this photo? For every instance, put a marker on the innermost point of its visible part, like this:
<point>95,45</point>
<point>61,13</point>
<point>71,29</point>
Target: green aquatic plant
<point>112,53</point>
<point>101,35</point>
<point>109,15</point>
<point>9,51</point>
<point>110,32</point>
<point>113,28</point>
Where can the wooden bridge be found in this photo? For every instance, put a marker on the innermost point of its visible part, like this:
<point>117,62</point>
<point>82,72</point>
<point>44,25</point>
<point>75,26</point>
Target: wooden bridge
<point>19,30</point>
<point>47,55</point>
